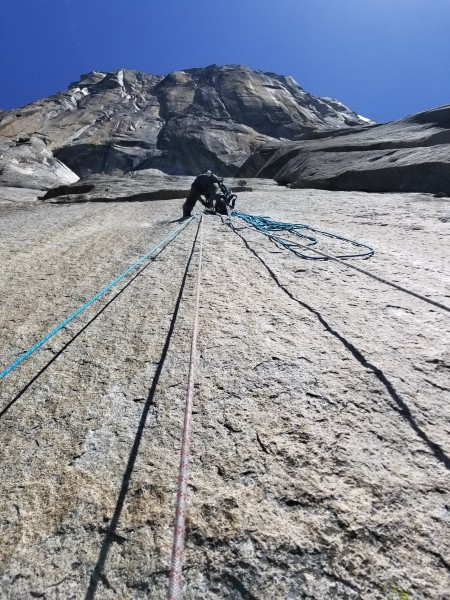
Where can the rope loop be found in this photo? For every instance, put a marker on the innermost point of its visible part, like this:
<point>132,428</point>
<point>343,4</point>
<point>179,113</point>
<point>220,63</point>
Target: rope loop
<point>270,228</point>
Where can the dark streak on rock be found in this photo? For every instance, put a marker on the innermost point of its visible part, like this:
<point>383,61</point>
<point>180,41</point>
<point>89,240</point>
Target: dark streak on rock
<point>401,407</point>
<point>439,387</point>
<point>238,586</point>
<point>263,447</point>
<point>341,580</point>
<point>437,555</point>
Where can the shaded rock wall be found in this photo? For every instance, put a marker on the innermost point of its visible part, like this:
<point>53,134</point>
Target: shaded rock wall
<point>412,154</point>
<point>113,123</point>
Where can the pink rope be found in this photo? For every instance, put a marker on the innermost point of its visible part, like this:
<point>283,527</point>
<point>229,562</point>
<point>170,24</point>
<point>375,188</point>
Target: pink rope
<point>176,576</point>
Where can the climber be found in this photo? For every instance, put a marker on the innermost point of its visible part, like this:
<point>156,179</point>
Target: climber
<point>206,184</point>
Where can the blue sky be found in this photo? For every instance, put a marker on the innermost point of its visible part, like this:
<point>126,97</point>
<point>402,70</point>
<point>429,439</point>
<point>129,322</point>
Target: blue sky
<point>383,58</point>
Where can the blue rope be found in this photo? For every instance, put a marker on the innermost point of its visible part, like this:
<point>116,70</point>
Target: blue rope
<point>42,341</point>
<point>268,227</point>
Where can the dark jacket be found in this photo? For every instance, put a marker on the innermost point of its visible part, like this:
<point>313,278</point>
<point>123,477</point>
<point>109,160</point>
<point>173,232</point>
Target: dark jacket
<point>203,182</point>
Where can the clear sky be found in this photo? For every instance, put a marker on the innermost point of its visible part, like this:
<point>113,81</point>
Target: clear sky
<point>385,59</point>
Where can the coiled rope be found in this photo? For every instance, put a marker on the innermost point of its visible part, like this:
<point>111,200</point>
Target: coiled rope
<point>176,577</point>
<point>266,226</point>
<point>55,330</point>
<point>270,228</point>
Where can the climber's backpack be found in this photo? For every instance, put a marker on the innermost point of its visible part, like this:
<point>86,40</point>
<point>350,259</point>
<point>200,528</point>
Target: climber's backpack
<point>227,200</point>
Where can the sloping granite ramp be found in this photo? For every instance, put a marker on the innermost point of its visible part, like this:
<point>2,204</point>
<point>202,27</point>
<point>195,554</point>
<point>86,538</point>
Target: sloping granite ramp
<point>310,477</point>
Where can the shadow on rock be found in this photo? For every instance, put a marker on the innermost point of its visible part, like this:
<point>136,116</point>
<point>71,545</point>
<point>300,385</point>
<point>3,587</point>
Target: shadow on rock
<point>401,405</point>
<point>111,535</point>
<point>67,344</point>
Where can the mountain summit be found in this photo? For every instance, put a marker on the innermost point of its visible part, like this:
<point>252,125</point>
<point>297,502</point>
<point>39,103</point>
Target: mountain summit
<point>118,122</point>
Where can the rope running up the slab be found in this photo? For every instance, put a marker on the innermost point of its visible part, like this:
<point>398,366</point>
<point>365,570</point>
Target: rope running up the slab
<point>51,333</point>
<point>176,576</point>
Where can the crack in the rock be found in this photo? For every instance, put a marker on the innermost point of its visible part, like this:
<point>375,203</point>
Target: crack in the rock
<point>341,580</point>
<point>67,578</point>
<point>440,364</point>
<point>319,397</point>
<point>231,428</point>
<point>238,586</point>
<point>437,555</point>
<point>439,387</point>
<point>263,447</point>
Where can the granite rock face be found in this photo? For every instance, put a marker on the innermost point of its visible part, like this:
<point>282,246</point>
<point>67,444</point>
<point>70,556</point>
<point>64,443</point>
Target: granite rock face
<point>409,155</point>
<point>320,453</point>
<point>215,117</point>
<point>139,186</point>
<point>28,162</point>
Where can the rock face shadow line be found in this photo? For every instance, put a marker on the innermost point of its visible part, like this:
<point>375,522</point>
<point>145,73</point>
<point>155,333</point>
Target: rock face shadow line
<point>67,344</point>
<point>401,406</point>
<point>111,535</point>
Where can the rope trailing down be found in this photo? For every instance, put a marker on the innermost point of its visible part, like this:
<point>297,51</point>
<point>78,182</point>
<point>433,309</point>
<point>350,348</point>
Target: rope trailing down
<point>270,228</point>
<point>176,570</point>
<point>266,226</point>
<point>51,333</point>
